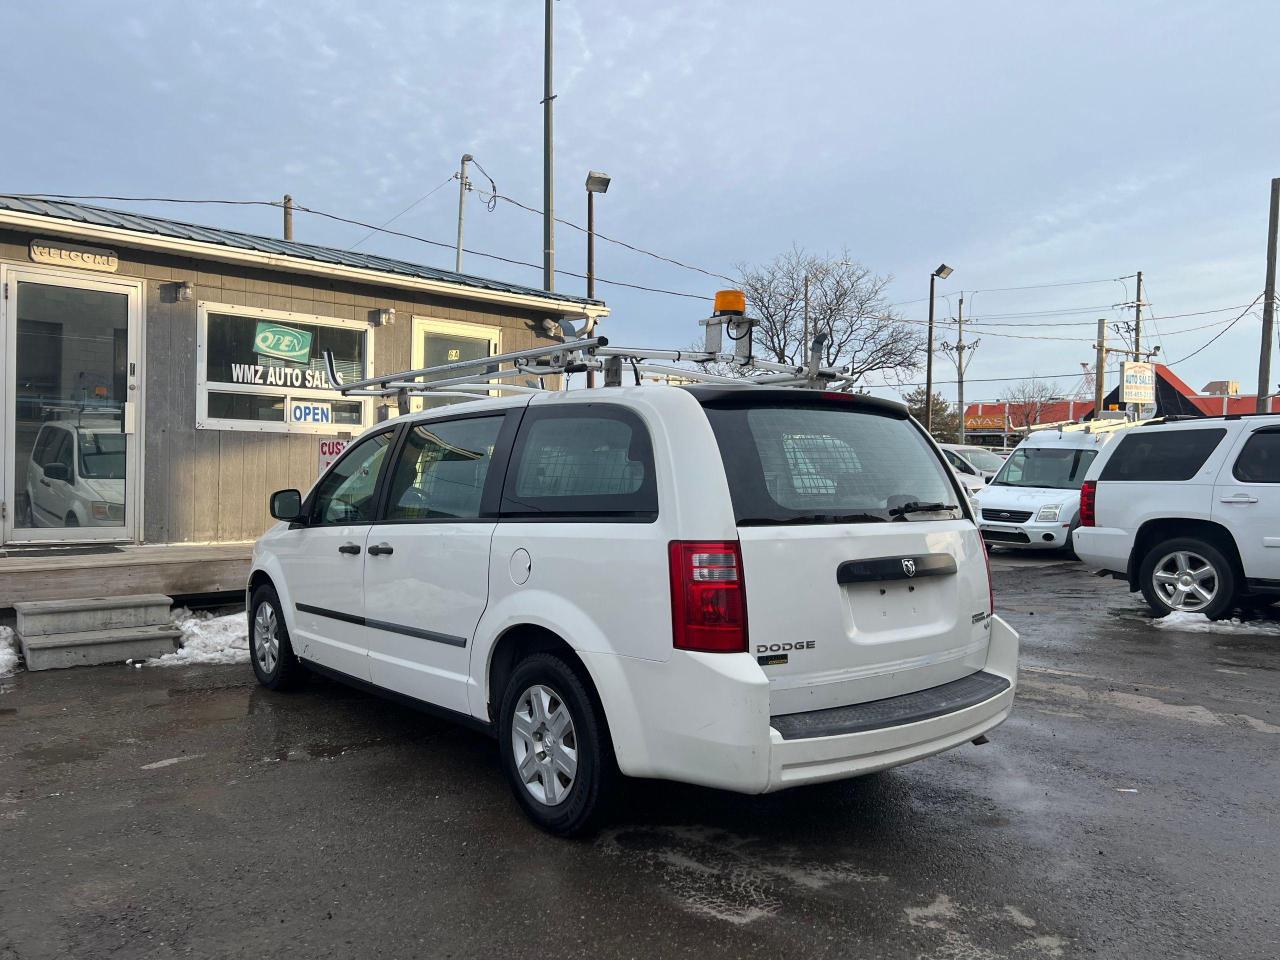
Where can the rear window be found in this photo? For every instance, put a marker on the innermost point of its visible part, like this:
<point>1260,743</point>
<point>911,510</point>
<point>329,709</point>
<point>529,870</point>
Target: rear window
<point>817,463</point>
<point>1162,455</point>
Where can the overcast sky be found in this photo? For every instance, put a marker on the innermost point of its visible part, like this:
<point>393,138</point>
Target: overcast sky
<point>1020,142</point>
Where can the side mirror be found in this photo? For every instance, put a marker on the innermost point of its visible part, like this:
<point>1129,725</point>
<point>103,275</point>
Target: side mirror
<point>58,471</point>
<point>287,505</point>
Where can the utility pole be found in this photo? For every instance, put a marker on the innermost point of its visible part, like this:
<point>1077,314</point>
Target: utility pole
<point>1099,367</point>
<point>804,343</point>
<point>1137,321</point>
<point>463,186</point>
<point>548,164</point>
<point>942,272</point>
<point>288,217</point>
<point>962,363</point>
<point>1269,304</point>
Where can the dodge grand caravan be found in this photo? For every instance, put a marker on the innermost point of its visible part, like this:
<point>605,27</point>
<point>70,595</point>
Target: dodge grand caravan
<point>748,588</point>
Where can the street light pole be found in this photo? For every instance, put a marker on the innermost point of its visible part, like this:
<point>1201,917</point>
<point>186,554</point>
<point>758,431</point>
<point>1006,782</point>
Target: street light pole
<point>597,182</point>
<point>941,273</point>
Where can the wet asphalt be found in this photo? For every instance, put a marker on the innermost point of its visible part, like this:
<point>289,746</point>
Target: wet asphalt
<point>1129,808</point>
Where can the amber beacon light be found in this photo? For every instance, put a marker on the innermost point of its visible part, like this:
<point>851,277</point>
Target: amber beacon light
<point>731,301</point>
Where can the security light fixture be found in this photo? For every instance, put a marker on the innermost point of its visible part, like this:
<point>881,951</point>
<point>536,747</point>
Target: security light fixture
<point>943,272</point>
<point>597,182</point>
<point>382,317</point>
<point>184,292</point>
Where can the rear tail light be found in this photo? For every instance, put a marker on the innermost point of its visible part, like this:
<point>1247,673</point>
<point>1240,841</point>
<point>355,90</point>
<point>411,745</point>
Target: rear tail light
<point>708,597</point>
<point>1089,503</point>
<point>991,587</point>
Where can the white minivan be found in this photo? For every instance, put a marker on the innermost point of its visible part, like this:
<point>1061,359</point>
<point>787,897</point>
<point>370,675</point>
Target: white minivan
<point>1034,501</point>
<point>748,588</point>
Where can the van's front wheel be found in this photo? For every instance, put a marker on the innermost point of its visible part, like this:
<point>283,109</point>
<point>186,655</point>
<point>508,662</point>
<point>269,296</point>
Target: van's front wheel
<point>554,744</point>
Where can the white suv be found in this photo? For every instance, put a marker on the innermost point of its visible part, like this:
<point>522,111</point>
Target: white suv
<point>748,588</point>
<point>1188,511</point>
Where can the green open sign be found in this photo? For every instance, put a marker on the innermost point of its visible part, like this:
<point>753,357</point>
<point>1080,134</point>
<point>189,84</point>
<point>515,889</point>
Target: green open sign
<point>286,343</point>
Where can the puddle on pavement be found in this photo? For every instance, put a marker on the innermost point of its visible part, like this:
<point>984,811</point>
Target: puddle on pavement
<point>319,751</point>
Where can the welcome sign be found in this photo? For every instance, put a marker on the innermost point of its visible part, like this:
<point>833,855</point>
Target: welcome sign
<point>283,343</point>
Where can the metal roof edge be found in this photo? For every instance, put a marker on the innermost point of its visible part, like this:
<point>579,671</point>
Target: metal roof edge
<point>292,264</point>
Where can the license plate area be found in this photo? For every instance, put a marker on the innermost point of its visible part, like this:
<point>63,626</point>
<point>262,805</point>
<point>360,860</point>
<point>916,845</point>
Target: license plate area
<point>890,607</point>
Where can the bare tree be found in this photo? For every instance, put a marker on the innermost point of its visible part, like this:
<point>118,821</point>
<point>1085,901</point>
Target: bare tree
<point>847,302</point>
<point>1027,400</point>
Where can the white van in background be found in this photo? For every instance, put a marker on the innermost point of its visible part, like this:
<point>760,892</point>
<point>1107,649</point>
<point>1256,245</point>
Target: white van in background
<point>1034,501</point>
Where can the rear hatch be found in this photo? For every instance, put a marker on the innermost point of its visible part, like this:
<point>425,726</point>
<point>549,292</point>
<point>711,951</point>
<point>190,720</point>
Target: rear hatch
<point>864,572</point>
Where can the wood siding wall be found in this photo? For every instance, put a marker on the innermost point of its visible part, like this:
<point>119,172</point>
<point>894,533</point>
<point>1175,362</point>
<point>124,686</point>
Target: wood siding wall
<point>210,486</point>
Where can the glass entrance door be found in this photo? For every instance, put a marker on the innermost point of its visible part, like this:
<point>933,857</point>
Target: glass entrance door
<point>437,342</point>
<point>70,404</point>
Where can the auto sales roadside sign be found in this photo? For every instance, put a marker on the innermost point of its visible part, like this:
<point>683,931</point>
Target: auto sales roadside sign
<point>1137,382</point>
<point>283,343</point>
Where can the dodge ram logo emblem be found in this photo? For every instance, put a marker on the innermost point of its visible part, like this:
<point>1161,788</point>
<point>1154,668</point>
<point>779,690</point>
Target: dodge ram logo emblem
<point>909,567</point>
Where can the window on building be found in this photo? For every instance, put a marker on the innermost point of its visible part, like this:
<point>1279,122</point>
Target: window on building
<point>593,460</point>
<point>1161,455</point>
<point>264,370</point>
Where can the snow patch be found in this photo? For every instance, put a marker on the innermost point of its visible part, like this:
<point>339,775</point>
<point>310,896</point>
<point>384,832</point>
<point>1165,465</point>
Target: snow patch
<point>1199,623</point>
<point>8,652</point>
<point>207,638</point>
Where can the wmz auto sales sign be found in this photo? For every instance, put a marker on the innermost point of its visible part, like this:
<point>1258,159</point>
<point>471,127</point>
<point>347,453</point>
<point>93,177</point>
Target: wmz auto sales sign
<point>279,376</point>
<point>1138,382</point>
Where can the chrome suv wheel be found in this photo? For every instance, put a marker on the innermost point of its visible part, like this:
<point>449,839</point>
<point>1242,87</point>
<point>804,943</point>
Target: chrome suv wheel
<point>1186,575</point>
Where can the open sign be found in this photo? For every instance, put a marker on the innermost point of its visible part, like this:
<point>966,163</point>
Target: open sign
<point>309,411</point>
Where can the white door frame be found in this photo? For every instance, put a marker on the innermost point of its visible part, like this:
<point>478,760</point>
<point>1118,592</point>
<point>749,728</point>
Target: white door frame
<point>456,328</point>
<point>10,483</point>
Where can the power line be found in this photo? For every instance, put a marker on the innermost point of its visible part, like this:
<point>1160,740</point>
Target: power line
<point>1030,286</point>
<point>368,226</point>
<point>621,243</point>
<point>404,211</point>
<point>1218,334</point>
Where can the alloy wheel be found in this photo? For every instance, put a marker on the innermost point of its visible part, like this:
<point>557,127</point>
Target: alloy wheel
<point>266,638</point>
<point>1185,581</point>
<point>545,744</point>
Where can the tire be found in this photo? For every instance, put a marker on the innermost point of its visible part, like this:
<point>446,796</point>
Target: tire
<point>1069,548</point>
<point>274,664</point>
<point>1188,576</point>
<point>545,702</point>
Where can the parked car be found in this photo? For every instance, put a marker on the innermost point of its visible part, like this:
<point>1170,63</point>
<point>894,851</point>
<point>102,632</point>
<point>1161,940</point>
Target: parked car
<point>967,474</point>
<point>76,474</point>
<point>1034,500</point>
<point>984,463</point>
<point>1188,512</point>
<point>747,588</point>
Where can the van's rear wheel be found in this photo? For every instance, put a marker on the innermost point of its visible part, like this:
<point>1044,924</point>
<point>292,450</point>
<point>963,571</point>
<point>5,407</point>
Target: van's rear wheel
<point>555,749</point>
<point>1187,576</point>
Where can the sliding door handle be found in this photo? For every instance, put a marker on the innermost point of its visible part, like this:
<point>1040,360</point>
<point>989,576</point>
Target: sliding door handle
<point>349,548</point>
<point>381,550</point>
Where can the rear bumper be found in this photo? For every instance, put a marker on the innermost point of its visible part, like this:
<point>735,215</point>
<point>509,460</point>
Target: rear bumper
<point>1104,548</point>
<point>704,719</point>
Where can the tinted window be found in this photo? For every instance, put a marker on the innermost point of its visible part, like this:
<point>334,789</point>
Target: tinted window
<point>817,463</point>
<point>442,468</point>
<point>1259,461</point>
<point>1161,455</point>
<point>1055,468</point>
<point>588,460</point>
<point>40,454</point>
<point>348,492</point>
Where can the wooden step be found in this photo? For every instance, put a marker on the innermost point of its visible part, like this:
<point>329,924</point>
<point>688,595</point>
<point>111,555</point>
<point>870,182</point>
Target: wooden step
<point>89,647</point>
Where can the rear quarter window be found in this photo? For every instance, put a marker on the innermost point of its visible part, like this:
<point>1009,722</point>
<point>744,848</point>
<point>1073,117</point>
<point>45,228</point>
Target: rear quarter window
<point>1162,455</point>
<point>1259,461</point>
<point>581,462</point>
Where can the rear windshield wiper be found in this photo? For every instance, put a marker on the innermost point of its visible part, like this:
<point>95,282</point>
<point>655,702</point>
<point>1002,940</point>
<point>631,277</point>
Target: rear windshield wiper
<point>811,518</point>
<point>915,506</point>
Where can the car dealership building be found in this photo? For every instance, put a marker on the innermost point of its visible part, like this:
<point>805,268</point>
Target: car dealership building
<point>160,379</point>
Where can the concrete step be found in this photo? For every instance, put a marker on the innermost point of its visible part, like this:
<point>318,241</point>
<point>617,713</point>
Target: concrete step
<point>88,647</point>
<point>38,618</point>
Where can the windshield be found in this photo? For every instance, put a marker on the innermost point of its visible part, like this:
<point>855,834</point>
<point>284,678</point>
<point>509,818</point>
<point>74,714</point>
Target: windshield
<point>102,455</point>
<point>982,459</point>
<point>1058,468</point>
<point>814,462</point>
